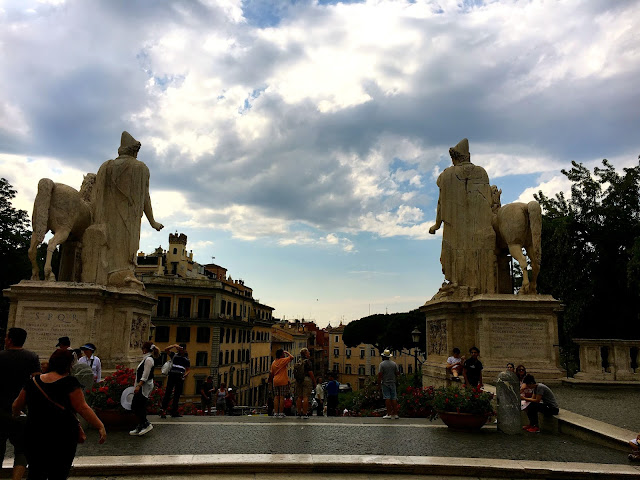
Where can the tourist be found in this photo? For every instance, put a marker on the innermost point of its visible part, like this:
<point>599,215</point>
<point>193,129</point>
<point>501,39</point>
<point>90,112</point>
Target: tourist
<point>333,388</point>
<point>89,358</point>
<point>511,367</point>
<point>206,395</point>
<point>144,386</point>
<point>472,369</point>
<point>454,364</point>
<point>319,397</point>
<point>52,400</point>
<point>230,401</point>
<point>175,381</point>
<point>541,400</point>
<point>221,399</point>
<point>387,377</point>
<point>305,383</point>
<point>64,343</point>
<point>17,365</point>
<point>279,379</point>
<point>634,456</point>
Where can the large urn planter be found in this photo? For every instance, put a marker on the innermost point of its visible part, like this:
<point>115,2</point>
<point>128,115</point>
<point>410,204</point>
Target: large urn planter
<point>114,419</point>
<point>464,422</point>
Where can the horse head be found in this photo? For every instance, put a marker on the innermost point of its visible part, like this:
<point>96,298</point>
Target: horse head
<point>495,198</point>
<point>88,181</point>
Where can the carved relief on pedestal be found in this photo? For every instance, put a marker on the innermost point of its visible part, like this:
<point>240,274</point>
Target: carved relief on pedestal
<point>437,337</point>
<point>139,332</point>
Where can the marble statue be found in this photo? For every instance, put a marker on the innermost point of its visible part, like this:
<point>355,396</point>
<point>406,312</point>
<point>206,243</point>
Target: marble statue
<point>519,225</point>
<point>120,198</point>
<point>67,213</point>
<point>468,240</point>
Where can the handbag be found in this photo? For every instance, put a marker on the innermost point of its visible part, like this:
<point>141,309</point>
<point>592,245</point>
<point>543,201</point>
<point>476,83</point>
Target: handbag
<point>166,367</point>
<point>81,435</point>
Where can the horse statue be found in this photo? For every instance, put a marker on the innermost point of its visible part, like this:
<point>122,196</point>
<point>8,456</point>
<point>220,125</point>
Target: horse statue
<point>63,210</point>
<point>517,226</point>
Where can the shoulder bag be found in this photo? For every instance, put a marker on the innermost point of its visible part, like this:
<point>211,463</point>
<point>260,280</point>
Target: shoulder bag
<point>81,435</point>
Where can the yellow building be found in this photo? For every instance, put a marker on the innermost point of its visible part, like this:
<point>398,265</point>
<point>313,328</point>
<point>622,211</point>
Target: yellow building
<point>354,364</point>
<point>226,330</point>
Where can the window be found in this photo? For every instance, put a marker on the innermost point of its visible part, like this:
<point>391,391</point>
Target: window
<point>336,352</point>
<point>226,375</point>
<point>199,382</point>
<point>373,352</point>
<point>337,338</point>
<point>184,307</point>
<point>204,308</point>
<point>183,335</point>
<point>409,370</point>
<point>362,353</point>
<point>253,335</point>
<point>347,369</point>
<point>348,352</point>
<point>226,359</point>
<point>373,370</point>
<point>164,306</point>
<point>400,369</point>
<point>220,358</point>
<point>201,359</point>
<point>228,334</point>
<point>221,334</point>
<point>203,335</point>
<point>233,354</point>
<point>361,370</point>
<point>223,306</point>
<point>162,334</point>
<point>175,251</point>
<point>335,367</point>
<point>233,336</point>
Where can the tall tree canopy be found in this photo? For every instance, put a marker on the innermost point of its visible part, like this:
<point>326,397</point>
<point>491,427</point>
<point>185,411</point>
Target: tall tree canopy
<point>14,244</point>
<point>591,252</point>
<point>385,331</point>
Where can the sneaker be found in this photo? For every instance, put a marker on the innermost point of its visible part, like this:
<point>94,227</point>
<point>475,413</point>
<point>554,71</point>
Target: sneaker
<point>135,431</point>
<point>634,457</point>
<point>526,427</point>
<point>146,429</point>
<point>388,416</point>
<point>533,430</point>
<point>396,417</point>
<point>305,417</point>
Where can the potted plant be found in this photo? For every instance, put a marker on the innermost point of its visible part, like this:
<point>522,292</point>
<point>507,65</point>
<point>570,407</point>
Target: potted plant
<point>104,398</point>
<point>462,408</point>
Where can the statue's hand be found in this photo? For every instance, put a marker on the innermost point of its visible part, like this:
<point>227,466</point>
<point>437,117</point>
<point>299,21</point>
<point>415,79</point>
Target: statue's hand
<point>157,226</point>
<point>433,229</point>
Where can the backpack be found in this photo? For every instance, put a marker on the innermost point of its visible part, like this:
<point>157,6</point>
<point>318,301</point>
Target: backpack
<point>84,374</point>
<point>298,372</point>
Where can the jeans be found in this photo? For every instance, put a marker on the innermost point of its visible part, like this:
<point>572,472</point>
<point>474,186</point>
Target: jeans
<point>174,384</point>
<point>533,409</point>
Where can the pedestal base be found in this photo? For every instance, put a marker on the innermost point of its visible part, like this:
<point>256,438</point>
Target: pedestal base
<point>115,320</point>
<point>506,328</point>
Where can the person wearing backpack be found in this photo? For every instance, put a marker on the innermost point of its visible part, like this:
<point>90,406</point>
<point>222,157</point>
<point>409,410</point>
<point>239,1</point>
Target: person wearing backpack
<point>305,383</point>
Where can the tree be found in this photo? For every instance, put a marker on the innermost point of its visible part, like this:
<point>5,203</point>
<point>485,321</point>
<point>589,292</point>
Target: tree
<point>14,245</point>
<point>591,252</point>
<point>385,331</point>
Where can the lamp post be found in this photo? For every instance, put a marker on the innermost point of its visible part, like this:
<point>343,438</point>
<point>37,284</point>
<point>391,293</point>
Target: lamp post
<point>415,336</point>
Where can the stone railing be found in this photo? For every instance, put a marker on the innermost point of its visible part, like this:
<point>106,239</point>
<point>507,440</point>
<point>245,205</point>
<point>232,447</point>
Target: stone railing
<point>605,359</point>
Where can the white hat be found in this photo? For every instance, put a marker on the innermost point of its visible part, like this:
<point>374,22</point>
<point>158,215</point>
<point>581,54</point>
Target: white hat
<point>127,398</point>
<point>387,353</point>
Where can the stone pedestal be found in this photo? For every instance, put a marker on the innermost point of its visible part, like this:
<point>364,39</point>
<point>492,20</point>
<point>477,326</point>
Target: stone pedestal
<point>506,328</point>
<point>116,320</point>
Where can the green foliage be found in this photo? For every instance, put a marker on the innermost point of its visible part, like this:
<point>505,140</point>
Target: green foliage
<point>462,400</point>
<point>15,238</point>
<point>591,252</point>
<point>385,331</point>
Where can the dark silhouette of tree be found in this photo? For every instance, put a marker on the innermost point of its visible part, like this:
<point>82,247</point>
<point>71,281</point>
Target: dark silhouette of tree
<point>391,331</point>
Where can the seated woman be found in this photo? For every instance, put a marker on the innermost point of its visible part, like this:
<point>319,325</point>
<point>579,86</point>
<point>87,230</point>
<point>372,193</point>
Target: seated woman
<point>53,430</point>
<point>454,364</point>
<point>541,400</point>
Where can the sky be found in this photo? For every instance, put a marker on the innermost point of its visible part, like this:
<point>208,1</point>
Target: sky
<point>297,143</point>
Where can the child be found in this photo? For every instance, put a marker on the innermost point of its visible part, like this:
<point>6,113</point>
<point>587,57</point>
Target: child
<point>454,364</point>
<point>634,456</point>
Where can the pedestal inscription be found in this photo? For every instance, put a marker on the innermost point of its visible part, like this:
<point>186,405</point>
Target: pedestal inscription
<point>45,326</point>
<point>437,337</point>
<point>526,338</point>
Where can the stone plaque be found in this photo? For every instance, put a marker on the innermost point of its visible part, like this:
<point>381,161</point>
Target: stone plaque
<point>45,325</point>
<point>437,337</point>
<point>528,339</point>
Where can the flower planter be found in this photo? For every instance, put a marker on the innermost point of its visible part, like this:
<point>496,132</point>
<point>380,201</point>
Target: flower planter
<point>116,419</point>
<point>463,421</point>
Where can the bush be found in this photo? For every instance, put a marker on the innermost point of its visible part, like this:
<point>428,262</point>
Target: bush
<point>416,402</point>
<point>467,400</point>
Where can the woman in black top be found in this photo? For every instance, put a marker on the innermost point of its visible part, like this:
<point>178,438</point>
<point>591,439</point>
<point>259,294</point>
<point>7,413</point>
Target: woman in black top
<point>52,428</point>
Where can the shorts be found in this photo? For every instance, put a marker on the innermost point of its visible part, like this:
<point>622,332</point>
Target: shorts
<point>13,429</point>
<point>281,390</point>
<point>389,392</point>
<point>220,406</point>
<point>304,389</point>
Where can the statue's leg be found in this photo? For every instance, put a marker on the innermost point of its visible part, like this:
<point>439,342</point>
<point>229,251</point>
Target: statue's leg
<point>59,237</point>
<point>33,254</point>
<point>516,252</point>
<point>535,270</point>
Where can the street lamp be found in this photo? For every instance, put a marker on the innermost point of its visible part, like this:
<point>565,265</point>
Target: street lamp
<point>415,336</point>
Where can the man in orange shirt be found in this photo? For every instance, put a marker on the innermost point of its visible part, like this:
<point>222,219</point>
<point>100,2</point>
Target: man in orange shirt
<point>280,378</point>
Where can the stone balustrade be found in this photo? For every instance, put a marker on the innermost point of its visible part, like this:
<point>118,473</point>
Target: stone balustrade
<point>608,359</point>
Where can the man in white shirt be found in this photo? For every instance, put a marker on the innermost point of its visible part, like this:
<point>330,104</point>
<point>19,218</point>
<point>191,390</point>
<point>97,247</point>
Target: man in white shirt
<point>93,361</point>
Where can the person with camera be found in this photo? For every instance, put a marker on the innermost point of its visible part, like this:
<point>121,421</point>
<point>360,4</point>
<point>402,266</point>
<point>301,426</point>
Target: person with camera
<point>175,381</point>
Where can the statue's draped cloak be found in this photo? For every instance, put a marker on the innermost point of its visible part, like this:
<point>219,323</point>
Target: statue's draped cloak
<point>468,239</point>
<point>120,193</point>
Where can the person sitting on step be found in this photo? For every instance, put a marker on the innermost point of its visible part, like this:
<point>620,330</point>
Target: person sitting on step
<point>541,400</point>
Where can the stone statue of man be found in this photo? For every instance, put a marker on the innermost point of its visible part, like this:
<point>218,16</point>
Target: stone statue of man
<point>468,240</point>
<point>120,197</point>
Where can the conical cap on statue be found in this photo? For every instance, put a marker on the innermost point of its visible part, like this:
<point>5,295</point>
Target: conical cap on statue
<point>462,147</point>
<point>127,140</point>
